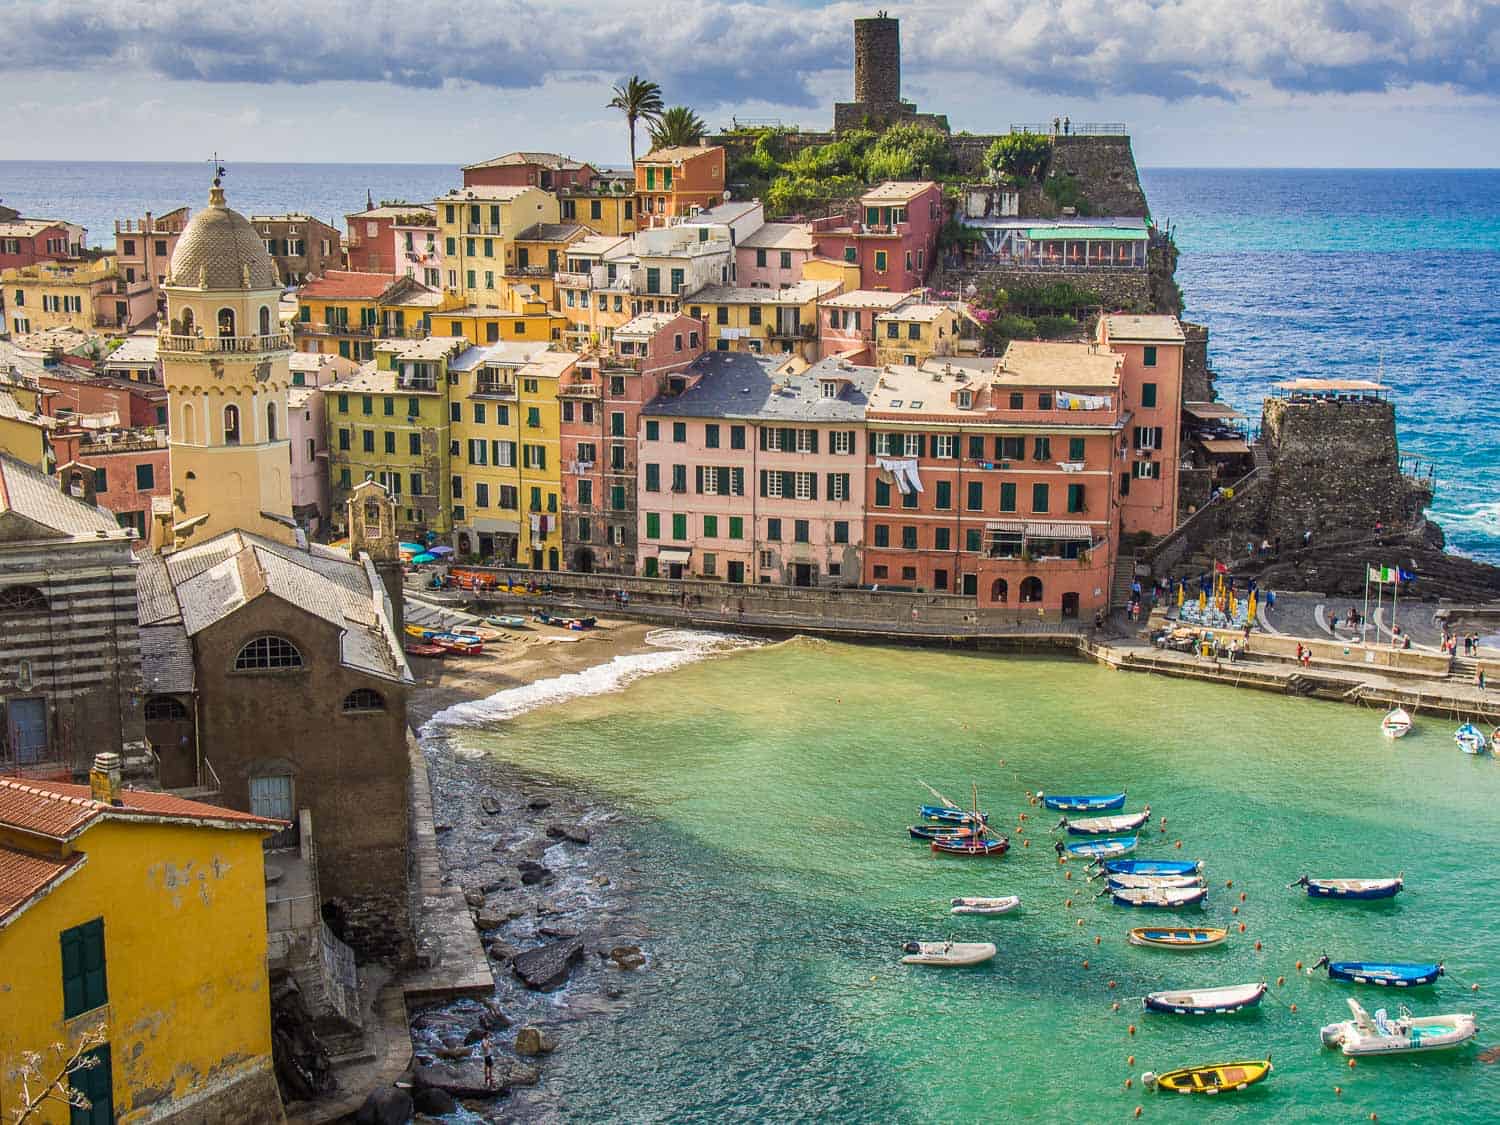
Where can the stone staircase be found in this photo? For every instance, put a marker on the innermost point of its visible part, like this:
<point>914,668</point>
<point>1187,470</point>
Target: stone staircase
<point>1462,670</point>
<point>1119,591</point>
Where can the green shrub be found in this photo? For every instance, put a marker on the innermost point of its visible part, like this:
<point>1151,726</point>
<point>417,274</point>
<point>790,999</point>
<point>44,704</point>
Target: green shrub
<point>1021,156</point>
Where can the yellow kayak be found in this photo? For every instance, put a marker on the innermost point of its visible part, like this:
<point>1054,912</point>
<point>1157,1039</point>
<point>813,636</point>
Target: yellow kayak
<point>1210,1078</point>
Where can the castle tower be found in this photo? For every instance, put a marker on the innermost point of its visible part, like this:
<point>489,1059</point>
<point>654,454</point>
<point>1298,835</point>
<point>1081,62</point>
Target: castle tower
<point>877,61</point>
<point>372,531</point>
<point>224,362</point>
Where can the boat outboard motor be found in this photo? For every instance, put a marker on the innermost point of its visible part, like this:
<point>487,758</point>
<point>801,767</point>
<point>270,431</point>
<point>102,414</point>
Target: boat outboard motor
<point>1058,847</point>
<point>1320,963</point>
<point>912,947</point>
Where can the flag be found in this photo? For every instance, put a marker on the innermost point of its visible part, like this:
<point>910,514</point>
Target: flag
<point>1382,574</point>
<point>1406,575</point>
<point>1220,568</point>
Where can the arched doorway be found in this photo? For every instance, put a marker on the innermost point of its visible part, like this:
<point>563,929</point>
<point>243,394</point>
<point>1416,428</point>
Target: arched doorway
<point>1070,604</point>
<point>583,560</point>
<point>188,327</point>
<point>999,591</point>
<point>1031,590</point>
<point>226,322</point>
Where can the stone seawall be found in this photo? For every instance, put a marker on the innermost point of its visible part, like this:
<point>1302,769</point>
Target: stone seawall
<point>1124,290</point>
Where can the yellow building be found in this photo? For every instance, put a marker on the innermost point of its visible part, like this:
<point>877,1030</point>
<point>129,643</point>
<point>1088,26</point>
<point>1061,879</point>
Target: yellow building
<point>82,295</point>
<point>25,432</point>
<point>763,321</point>
<point>141,923</point>
<point>346,312</point>
<point>390,422</point>
<point>224,363</point>
<point>520,315</point>
<point>828,269</point>
<point>593,290</point>
<point>602,209</point>
<point>507,478</point>
<point>915,332</point>
<point>541,251</point>
<point>479,227</point>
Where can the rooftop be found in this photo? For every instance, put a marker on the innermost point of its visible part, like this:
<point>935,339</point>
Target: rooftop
<point>1151,329</point>
<point>39,500</point>
<point>741,385</point>
<point>549,365</point>
<point>596,244</point>
<point>896,191</point>
<point>60,811</point>
<point>429,347</point>
<point>138,350</point>
<point>799,294</point>
<point>677,154</point>
<point>549,160</point>
<point>506,353</point>
<point>1031,363</point>
<point>24,878</point>
<point>868,299</point>
<point>219,249</point>
<point>916,311</point>
<point>394,211</point>
<point>646,324</point>
<point>347,285</point>
<point>27,228</point>
<point>551,232</point>
<point>12,411</point>
<point>779,236</point>
<point>490,193</point>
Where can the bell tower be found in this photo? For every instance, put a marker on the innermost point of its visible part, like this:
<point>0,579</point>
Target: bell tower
<point>224,363</point>
<point>372,531</point>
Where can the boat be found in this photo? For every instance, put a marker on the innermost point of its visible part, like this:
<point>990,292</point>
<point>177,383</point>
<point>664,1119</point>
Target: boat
<point>418,648</point>
<point>987,906</point>
<point>1389,974</point>
<point>1405,1035</point>
<point>1209,1078</point>
<point>951,814</point>
<point>1363,889</point>
<point>463,646</point>
<point>1469,739</point>
<point>420,632</point>
<point>938,831</point>
<point>975,847</point>
<point>1396,724</point>
<point>1100,849</point>
<point>1206,1001</point>
<point>1152,866</point>
<point>1161,898</point>
<point>1084,803</point>
<point>506,620</point>
<point>947,952</point>
<point>485,636</point>
<point>1167,882</point>
<point>1105,825</point>
<point>566,622</point>
<point>1185,937</point>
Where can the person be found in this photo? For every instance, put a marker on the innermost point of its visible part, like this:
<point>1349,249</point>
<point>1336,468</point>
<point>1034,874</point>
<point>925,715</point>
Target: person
<point>1098,619</point>
<point>1479,678</point>
<point>1406,641</point>
<point>1307,537</point>
<point>1271,594</point>
<point>1307,658</point>
<point>1067,126</point>
<point>1299,652</point>
<point>489,1063</point>
<point>1265,547</point>
<point>1056,125</point>
<point>1247,630</point>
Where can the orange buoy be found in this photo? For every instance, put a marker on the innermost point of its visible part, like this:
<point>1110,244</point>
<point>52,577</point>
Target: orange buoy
<point>1242,896</point>
<point>1178,844</point>
<point>1228,882</point>
<point>1111,984</point>
<point>1097,939</point>
<point>1070,901</point>
<point>1069,875</point>
<point>1115,1007</point>
<point>1279,980</point>
<point>1299,964</point>
<point>1026,843</point>
<point>1242,927</point>
<point>1130,1060</point>
<point>1085,964</point>
<point>1131,1029</point>
<point>1473,988</point>
<point>1351,1064</point>
<point>1338,1091</point>
<point>1234,910</point>
<point>1257,947</point>
<point>1294,1008</point>
<point>1080,921</point>
<point>1129,1082</point>
<point>1137,1111</point>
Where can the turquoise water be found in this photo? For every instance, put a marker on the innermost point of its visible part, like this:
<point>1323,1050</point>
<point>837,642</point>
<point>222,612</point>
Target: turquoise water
<point>767,795</point>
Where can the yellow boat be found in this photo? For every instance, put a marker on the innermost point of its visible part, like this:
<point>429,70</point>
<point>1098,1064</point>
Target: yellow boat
<point>418,631</point>
<point>1210,1078</point>
<point>1177,937</point>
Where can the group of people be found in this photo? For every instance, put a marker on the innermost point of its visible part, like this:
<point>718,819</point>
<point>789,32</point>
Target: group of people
<point>1451,641</point>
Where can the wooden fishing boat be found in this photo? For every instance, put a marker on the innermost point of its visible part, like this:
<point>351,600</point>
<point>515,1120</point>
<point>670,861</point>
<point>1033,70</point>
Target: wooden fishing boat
<point>938,831</point>
<point>974,847</point>
<point>947,952</point>
<point>1101,849</point>
<point>506,620</point>
<point>1159,898</point>
<point>950,814</point>
<point>1405,1035</point>
<point>1105,825</point>
<point>417,648</point>
<point>1209,1078</point>
<point>1084,802</point>
<point>1362,889</point>
<point>561,622</point>
<point>1186,937</point>
<point>1206,1001</point>
<point>1388,974</point>
<point>485,636</point>
<point>1136,882</point>
<point>985,906</point>
<point>1469,739</point>
<point>1396,724</point>
<point>420,632</point>
<point>463,646</point>
<point>1152,866</point>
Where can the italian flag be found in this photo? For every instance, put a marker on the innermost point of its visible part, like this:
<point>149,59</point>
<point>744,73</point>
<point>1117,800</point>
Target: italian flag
<point>1382,574</point>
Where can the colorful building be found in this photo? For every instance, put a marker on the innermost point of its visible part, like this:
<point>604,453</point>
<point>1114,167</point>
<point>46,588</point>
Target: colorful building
<point>138,918</point>
<point>893,241</point>
<point>762,321</point>
<point>671,183</point>
<point>593,291</point>
<point>674,261</point>
<point>419,250</point>
<point>1151,382</point>
<point>772,257</point>
<point>846,322</point>
<point>521,316</point>
<point>347,312</point>
<point>75,294</point>
<point>912,333</point>
<point>545,170</point>
<point>371,242</point>
<point>143,249</point>
<point>478,228</point>
<point>25,429</point>
<point>136,360</point>
<point>131,472</point>
<point>301,246</point>
<point>541,251</point>
<point>25,242</point>
<point>306,408</point>
<point>605,207</point>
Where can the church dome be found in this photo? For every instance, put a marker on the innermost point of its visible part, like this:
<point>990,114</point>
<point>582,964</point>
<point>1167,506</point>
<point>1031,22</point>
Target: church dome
<point>220,249</point>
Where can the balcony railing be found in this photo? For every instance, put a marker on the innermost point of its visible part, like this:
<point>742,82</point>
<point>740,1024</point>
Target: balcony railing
<point>415,383</point>
<point>276,341</point>
<point>481,228</point>
<point>495,388</point>
<point>323,328</point>
<point>574,280</point>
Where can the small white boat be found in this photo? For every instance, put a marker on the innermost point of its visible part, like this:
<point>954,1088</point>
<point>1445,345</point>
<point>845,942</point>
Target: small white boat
<point>1206,1001</point>
<point>1405,1035</point>
<point>1168,882</point>
<point>1162,898</point>
<point>985,905</point>
<point>1470,739</point>
<point>1396,724</point>
<point>1105,825</point>
<point>947,952</point>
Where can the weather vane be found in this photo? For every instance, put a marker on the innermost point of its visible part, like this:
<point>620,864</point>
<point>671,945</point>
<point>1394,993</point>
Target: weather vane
<point>218,171</point>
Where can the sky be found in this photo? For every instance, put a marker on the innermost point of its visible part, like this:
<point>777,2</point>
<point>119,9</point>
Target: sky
<point>1239,83</point>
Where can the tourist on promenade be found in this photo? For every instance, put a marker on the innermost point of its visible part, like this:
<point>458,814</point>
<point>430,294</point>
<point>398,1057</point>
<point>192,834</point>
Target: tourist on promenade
<point>1479,678</point>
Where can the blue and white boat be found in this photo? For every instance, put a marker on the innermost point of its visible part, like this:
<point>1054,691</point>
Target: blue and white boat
<point>1085,803</point>
<point>951,814</point>
<point>1159,898</point>
<point>1387,974</point>
<point>1206,1001</point>
<point>1361,889</point>
<point>1100,849</point>
<point>1105,825</point>
<point>1153,866</point>
<point>1469,739</point>
<point>1135,882</point>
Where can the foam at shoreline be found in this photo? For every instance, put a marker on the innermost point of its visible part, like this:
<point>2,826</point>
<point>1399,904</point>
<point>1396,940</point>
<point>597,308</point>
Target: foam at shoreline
<point>679,647</point>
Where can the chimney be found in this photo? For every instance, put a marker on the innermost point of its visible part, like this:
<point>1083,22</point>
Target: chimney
<point>104,778</point>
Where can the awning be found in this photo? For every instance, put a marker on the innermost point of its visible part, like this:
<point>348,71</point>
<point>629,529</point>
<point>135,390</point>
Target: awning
<point>494,527</point>
<point>1210,410</point>
<point>1080,531</point>
<point>1085,234</point>
<point>674,555</point>
<point>1315,385</point>
<point>1225,445</point>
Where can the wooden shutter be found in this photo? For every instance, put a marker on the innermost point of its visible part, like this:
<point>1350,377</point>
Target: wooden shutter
<point>721,479</point>
<point>812,481</point>
<point>831,487</point>
<point>1156,434</point>
<point>871,435</point>
<point>921,445</point>
<point>738,476</point>
<point>789,486</point>
<point>764,440</point>
<point>765,475</point>
<point>698,477</point>
<point>814,441</point>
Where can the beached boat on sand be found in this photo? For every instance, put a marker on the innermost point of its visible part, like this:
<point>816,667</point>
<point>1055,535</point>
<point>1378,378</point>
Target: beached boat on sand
<point>418,648</point>
<point>1388,974</point>
<point>506,620</point>
<point>947,952</point>
<point>1206,1001</point>
<point>1363,889</point>
<point>1405,1035</point>
<point>1184,937</point>
<point>1105,825</point>
<point>1396,724</point>
<point>1209,1078</point>
<point>1083,802</point>
<point>985,906</point>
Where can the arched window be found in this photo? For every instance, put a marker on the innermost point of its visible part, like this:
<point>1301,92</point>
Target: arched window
<point>1031,589</point>
<point>188,324</point>
<point>231,424</point>
<point>265,321</point>
<point>188,428</point>
<point>265,653</point>
<point>363,701</point>
<point>270,421</point>
<point>163,708</point>
<point>22,599</point>
<point>1000,591</point>
<point>226,322</point>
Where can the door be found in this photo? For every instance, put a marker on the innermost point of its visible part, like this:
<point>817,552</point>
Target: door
<point>28,730</point>
<point>939,579</point>
<point>674,571</point>
<point>1070,605</point>
<point>272,796</point>
<point>802,574</point>
<point>737,572</point>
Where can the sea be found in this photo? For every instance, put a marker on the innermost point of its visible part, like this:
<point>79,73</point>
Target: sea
<point>762,793</point>
<point>1381,274</point>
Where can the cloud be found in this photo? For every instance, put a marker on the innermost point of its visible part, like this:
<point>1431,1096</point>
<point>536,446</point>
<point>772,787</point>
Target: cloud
<point>724,54</point>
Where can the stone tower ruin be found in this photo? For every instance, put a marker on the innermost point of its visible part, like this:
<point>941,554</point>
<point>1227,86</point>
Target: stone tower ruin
<point>877,81</point>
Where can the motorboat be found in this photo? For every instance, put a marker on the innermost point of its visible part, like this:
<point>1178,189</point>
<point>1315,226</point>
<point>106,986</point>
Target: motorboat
<point>1470,739</point>
<point>1183,937</point>
<point>506,620</point>
<point>1206,1001</point>
<point>1209,1078</point>
<point>951,953</point>
<point>1404,1035</point>
<point>1083,802</point>
<point>985,906</point>
<point>1139,882</point>
<point>1396,724</point>
<point>1105,825</point>
<point>1388,974</point>
<point>1160,898</point>
<point>1363,889</point>
<point>1152,866</point>
<point>1099,849</point>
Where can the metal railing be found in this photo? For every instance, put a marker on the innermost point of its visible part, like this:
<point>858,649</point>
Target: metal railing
<point>1073,128</point>
<point>275,341</point>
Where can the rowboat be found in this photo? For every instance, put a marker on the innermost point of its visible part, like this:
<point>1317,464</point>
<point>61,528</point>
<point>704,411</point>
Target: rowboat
<point>1396,724</point>
<point>1351,888</point>
<point>1100,849</point>
<point>937,831</point>
<point>985,905</point>
<point>1469,739</point>
<point>1161,898</point>
<point>1206,1001</point>
<point>420,632</point>
<point>1187,937</point>
<point>1405,1035</point>
<point>417,648</point>
<point>477,633</point>
<point>1389,974</point>
<point>950,814</point>
<point>947,952</point>
<point>1084,803</point>
<point>1167,882</point>
<point>506,620</point>
<point>463,646</point>
<point>566,622</point>
<point>1209,1078</point>
<point>1105,825</point>
<point>1153,866</point>
<point>973,847</point>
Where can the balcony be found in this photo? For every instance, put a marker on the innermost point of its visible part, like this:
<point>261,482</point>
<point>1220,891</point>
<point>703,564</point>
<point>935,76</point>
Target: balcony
<point>316,328</point>
<point>793,332</point>
<point>494,388</point>
<point>416,383</point>
<point>574,280</point>
<point>481,228</point>
<point>276,341</point>
<point>580,390</point>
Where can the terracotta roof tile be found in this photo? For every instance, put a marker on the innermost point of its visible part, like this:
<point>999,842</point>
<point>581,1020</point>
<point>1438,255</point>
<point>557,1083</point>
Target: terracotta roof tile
<point>61,810</point>
<point>23,876</point>
<point>347,284</point>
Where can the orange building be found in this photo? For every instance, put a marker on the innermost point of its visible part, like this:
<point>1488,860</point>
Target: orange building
<point>1151,383</point>
<point>672,182</point>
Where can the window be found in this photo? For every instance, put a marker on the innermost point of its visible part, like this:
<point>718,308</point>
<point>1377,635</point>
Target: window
<point>1017,401</point>
<point>944,499</point>
<point>973,539</point>
<point>841,442</point>
<point>1044,400</point>
<point>653,478</point>
<point>1148,357</point>
<point>882,494</point>
<point>1031,589</point>
<point>362,701</point>
<point>786,259</point>
<point>851,254</point>
<point>534,417</point>
<point>882,535</point>
<point>231,425</point>
<point>880,261</point>
<point>975,500</point>
<point>838,486</point>
<point>456,485</point>
<point>771,484</point>
<point>1075,497</point>
<point>805,488</point>
<point>1039,498</point>
<point>1011,448</point>
<point>679,527</point>
<point>414,444</point>
<point>736,437</point>
<point>145,478</point>
<point>942,539</point>
<point>266,653</point>
<point>736,527</point>
<point>85,983</point>
<point>679,431</point>
<point>653,430</point>
<point>800,531</point>
<point>481,494</point>
<point>773,530</point>
<point>881,571</point>
<point>415,484</point>
<point>585,493</point>
<point>679,478</point>
<point>1075,449</point>
<point>1148,393</point>
<point>710,527</point>
<point>270,421</point>
<point>1148,437</point>
<point>711,435</point>
<point>1041,449</point>
<point>96,1084</point>
<point>1145,470</point>
<point>390,442</point>
<point>945,446</point>
<point>909,537</point>
<point>617,497</point>
<point>1007,496</point>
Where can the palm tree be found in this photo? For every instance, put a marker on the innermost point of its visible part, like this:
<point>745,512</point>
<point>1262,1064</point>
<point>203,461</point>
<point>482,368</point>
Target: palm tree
<point>677,126</point>
<point>636,99</point>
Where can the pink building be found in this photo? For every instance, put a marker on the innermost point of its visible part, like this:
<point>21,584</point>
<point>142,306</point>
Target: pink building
<point>144,247</point>
<point>546,170</point>
<point>846,323</point>
<point>129,469</point>
<point>308,434</point>
<point>25,242</point>
<point>773,256</point>
<point>419,251</point>
<point>1152,386</point>
<point>371,242</point>
<point>893,241</point>
<point>755,475</point>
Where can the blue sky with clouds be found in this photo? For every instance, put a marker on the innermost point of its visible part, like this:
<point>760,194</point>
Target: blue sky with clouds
<point>1200,82</point>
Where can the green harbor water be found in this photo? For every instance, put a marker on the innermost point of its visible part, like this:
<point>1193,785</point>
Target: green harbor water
<point>767,795</point>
